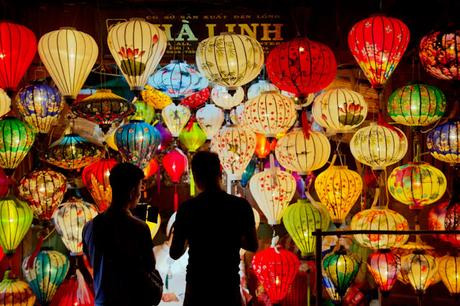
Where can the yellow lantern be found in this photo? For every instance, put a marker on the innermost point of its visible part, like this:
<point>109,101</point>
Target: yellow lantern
<point>302,154</point>
<point>192,137</point>
<point>68,55</point>
<point>175,117</point>
<point>419,268</point>
<point>110,138</point>
<point>15,220</point>
<point>378,146</point>
<point>339,110</point>
<point>449,269</point>
<point>5,103</point>
<point>137,47</point>
<point>272,190</point>
<point>156,98</point>
<point>229,59</point>
<point>153,226</point>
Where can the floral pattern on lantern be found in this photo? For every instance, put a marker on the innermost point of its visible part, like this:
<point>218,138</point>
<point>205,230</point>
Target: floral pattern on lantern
<point>449,269</point>
<point>5,103</point>
<point>443,142</point>
<point>192,137</point>
<point>197,99</point>
<point>384,266</point>
<point>156,98</point>
<point>15,142</point>
<point>225,99</point>
<point>175,117</point>
<point>419,268</point>
<point>210,119</point>
<point>15,292</point>
<point>95,177</point>
<point>259,87</point>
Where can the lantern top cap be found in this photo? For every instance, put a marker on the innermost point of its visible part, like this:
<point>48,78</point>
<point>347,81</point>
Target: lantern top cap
<point>68,28</point>
<point>136,19</point>
<point>178,61</point>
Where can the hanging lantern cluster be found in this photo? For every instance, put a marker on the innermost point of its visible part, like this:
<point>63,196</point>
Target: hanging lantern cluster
<point>175,117</point>
<point>225,98</point>
<point>15,292</point>
<point>5,103</point>
<point>419,269</point>
<point>443,142</point>
<point>95,177</point>
<point>384,267</point>
<point>210,119</point>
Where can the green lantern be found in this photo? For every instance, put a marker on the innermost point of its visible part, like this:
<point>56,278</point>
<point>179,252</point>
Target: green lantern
<point>16,139</point>
<point>15,220</point>
<point>192,137</point>
<point>144,111</point>
<point>301,219</point>
<point>417,105</point>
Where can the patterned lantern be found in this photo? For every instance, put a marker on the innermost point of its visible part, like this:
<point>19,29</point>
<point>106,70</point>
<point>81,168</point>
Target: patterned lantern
<point>175,117</point>
<point>74,292</point>
<point>275,269</point>
<point>229,59</point>
<point>15,220</point>
<point>226,99</point>
<point>210,119</point>
<point>301,66</point>
<point>235,147</point>
<point>45,273</point>
<point>302,154</point>
<point>137,47</point>
<point>236,115</point>
<point>417,184</point>
<point>449,269</point>
<point>155,97</point>
<point>18,46</point>
<point>384,267</point>
<point>378,44</point>
<point>301,219</point>
<point>5,103</point>
<point>73,152</point>
<point>137,141</point>
<point>197,99</point>
<point>378,146</point>
<point>44,191</point>
<point>270,114</point>
<point>178,80</point>
<point>4,184</point>
<point>339,110</point>
<point>259,87</point>
<point>175,163</point>
<point>443,142</point>
<point>419,268</point>
<point>417,105</point>
<point>69,220</point>
<point>383,219</point>
<point>437,220</point>
<point>263,146</point>
<point>272,190</point>
<point>192,137</point>
<point>144,111</point>
<point>15,142</point>
<point>68,56</point>
<point>15,292</point>
<point>95,177</point>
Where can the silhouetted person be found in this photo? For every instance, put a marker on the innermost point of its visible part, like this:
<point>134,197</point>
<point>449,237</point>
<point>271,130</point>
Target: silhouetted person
<point>119,245</point>
<point>214,225</point>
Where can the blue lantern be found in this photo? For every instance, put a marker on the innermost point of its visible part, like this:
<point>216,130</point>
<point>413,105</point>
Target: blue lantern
<point>248,172</point>
<point>443,142</point>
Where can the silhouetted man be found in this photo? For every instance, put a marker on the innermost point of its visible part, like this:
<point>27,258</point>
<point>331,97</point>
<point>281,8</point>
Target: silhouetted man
<point>215,225</point>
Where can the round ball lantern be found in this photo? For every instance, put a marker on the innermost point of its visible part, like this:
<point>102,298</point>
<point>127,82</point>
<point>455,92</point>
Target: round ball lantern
<point>383,219</point>
<point>339,110</point>
<point>95,177</point>
<point>210,119</point>
<point>272,190</point>
<point>158,99</point>
<point>300,153</point>
<point>5,103</point>
<point>74,292</point>
<point>15,142</point>
<point>144,111</point>
<point>226,99</point>
<point>275,269</point>
<point>378,146</point>
<point>137,47</point>
<point>417,105</point>
<point>443,142</point>
<point>449,269</point>
<point>192,137</point>
<point>419,268</point>
<point>69,220</point>
<point>175,117</point>
<point>437,220</point>
<point>303,218</point>
<point>301,66</point>
<point>270,113</point>
<point>15,292</point>
<point>69,56</point>
<point>44,191</point>
<point>384,266</point>
<point>378,44</point>
<point>197,100</point>
<point>259,87</point>
<point>229,59</point>
<point>417,184</point>
<point>18,46</point>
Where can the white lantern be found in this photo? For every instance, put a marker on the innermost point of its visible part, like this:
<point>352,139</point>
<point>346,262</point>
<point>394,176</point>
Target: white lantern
<point>225,99</point>
<point>175,117</point>
<point>236,115</point>
<point>259,87</point>
<point>210,119</point>
<point>5,103</point>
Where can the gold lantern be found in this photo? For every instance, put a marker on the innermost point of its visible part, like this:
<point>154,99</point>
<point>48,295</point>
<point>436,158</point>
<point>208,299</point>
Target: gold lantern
<point>419,268</point>
<point>175,117</point>
<point>137,47</point>
<point>5,103</point>
<point>449,270</point>
<point>156,98</point>
<point>68,55</point>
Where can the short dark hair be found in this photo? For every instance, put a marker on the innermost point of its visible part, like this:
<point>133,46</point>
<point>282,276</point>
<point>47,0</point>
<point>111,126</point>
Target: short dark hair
<point>206,168</point>
<point>124,177</point>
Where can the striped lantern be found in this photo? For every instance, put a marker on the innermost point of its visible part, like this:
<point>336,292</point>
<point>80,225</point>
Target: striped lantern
<point>419,269</point>
<point>5,103</point>
<point>210,119</point>
<point>341,269</point>
<point>15,292</point>
<point>443,142</point>
<point>225,99</point>
<point>175,117</point>
<point>259,87</point>
<point>95,177</point>
<point>384,267</point>
<point>449,269</point>
<point>137,47</point>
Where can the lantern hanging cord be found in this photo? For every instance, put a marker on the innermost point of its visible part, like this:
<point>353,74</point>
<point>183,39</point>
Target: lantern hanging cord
<point>102,75</point>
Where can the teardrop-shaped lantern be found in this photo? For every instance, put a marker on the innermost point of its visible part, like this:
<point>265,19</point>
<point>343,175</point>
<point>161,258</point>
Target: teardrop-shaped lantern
<point>74,292</point>
<point>175,117</point>
<point>259,87</point>
<point>44,191</point>
<point>210,119</point>
<point>197,99</point>
<point>68,56</point>
<point>144,111</point>
<point>5,103</point>
<point>137,47</point>
<point>15,292</point>
<point>449,269</point>
<point>192,137</point>
<point>175,163</point>
<point>226,99</point>
<point>16,140</point>
<point>443,142</point>
<point>384,267</point>
<point>18,46</point>
<point>419,268</point>
<point>378,44</point>
<point>95,177</point>
<point>158,99</point>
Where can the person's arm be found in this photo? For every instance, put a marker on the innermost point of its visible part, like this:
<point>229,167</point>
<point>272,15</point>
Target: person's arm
<point>147,249</point>
<point>179,241</point>
<point>249,238</point>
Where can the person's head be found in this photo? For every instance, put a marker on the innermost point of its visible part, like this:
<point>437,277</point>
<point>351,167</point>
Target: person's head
<point>206,170</point>
<point>126,182</point>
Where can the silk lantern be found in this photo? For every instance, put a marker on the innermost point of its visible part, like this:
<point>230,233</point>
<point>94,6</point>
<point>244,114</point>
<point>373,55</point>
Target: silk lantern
<point>339,110</point>
<point>15,220</point>
<point>144,111</point>
<point>378,146</point>
<point>416,105</point>
<point>15,292</point>
<point>175,163</point>
<point>4,184</point>
<point>74,292</point>
<point>69,56</point>
<point>18,46</point>
<point>259,87</point>
<point>137,47</point>
<point>69,219</point>
<point>44,273</point>
<point>275,269</point>
<point>419,268</point>
<point>303,218</point>
<point>155,97</point>
<point>301,66</point>
<point>210,119</point>
<point>378,44</point>
<point>196,100</point>
<point>248,173</point>
<point>226,99</point>
<point>44,191</point>
<point>229,59</point>
<point>5,103</point>
<point>95,177</point>
<point>192,137</point>
<point>137,141</point>
<point>175,117</point>
<point>263,146</point>
<point>272,190</point>
<point>384,266</point>
<point>443,142</point>
<point>449,269</point>
<point>436,221</point>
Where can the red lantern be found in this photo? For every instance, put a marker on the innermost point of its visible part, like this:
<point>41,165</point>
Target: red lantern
<point>275,269</point>
<point>1,254</point>
<point>4,183</point>
<point>384,267</point>
<point>74,292</point>
<point>378,44</point>
<point>96,179</point>
<point>301,66</point>
<point>17,49</point>
<point>196,100</point>
<point>175,162</point>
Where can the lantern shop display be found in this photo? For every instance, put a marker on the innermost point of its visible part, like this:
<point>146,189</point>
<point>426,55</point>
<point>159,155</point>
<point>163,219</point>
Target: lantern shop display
<point>210,119</point>
<point>436,221</point>
<point>259,87</point>
<point>443,142</point>
<point>144,111</point>
<point>95,177</point>
<point>156,98</point>
<point>175,117</point>
<point>137,47</point>
<point>225,98</point>
<point>5,103</point>
<point>419,268</point>
<point>384,266</point>
<point>175,163</point>
<point>449,269</point>
<point>192,137</point>
<point>197,100</point>
<point>74,292</point>
<point>15,292</point>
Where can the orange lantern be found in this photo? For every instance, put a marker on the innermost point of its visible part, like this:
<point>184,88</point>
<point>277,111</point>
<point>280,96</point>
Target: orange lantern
<point>95,177</point>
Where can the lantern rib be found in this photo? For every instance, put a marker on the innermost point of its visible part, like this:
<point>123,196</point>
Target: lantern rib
<point>238,77</point>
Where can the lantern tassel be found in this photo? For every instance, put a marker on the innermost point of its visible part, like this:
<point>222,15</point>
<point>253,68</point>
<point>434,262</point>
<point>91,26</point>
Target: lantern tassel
<point>83,295</point>
<point>31,260</point>
<point>176,198</point>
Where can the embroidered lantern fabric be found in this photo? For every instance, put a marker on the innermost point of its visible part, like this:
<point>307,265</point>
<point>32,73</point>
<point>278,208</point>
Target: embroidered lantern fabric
<point>259,87</point>
<point>384,267</point>
<point>341,269</point>
<point>436,221</point>
<point>443,142</point>
<point>222,97</point>
<point>229,59</point>
<point>378,44</point>
<point>449,269</point>
<point>155,97</point>
<point>175,117</point>
<point>192,137</point>
<point>137,47</point>
<point>5,103</point>
<point>210,119</point>
<point>15,292</point>
<point>419,268</point>
<point>95,177</point>
<point>197,99</point>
